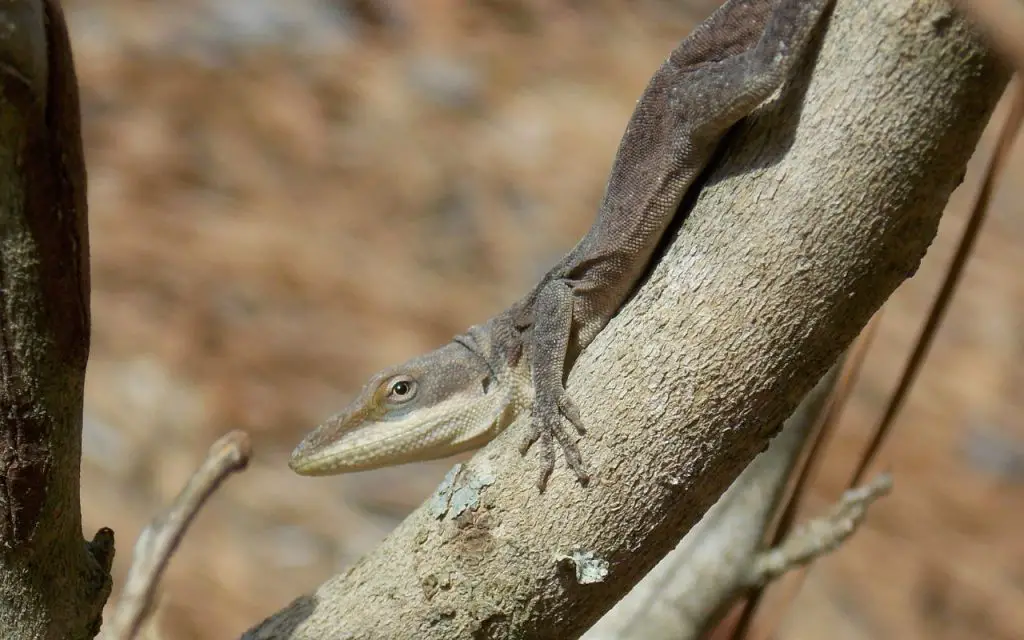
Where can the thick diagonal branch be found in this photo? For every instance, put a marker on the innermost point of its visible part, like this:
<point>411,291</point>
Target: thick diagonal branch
<point>821,206</point>
<point>686,593</point>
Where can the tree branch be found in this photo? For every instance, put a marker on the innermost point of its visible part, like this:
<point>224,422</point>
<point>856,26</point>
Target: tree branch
<point>686,593</point>
<point>52,584</point>
<point>823,204</point>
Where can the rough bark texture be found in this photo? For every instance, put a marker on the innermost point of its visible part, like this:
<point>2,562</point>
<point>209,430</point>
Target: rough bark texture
<point>690,590</point>
<point>52,583</point>
<point>823,205</point>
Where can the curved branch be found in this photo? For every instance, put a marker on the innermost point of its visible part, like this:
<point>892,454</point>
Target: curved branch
<point>819,208</point>
<point>819,536</point>
<point>158,542</point>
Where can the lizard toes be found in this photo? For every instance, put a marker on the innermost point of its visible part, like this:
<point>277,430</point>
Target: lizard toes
<point>546,428</point>
<point>571,412</point>
<point>547,460</point>
<point>533,433</point>
<point>572,454</point>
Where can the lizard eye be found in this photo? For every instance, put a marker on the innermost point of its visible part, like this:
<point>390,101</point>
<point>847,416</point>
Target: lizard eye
<point>401,389</point>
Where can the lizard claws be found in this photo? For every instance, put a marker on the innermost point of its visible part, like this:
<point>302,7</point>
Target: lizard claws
<point>568,409</point>
<point>546,427</point>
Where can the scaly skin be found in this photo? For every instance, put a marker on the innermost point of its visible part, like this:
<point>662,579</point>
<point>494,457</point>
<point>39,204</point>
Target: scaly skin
<point>463,394</point>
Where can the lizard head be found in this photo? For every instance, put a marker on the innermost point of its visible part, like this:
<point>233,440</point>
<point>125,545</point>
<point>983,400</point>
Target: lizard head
<point>433,406</point>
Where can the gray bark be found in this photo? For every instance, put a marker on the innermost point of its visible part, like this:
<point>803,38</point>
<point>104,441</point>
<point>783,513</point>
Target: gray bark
<point>689,591</point>
<point>52,583</point>
<point>823,205</point>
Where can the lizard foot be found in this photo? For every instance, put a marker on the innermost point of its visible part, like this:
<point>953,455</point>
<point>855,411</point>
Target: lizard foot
<point>546,427</point>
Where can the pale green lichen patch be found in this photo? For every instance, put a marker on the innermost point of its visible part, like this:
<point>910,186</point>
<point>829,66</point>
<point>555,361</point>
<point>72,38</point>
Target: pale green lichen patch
<point>439,502</point>
<point>458,492</point>
<point>468,495</point>
<point>589,568</point>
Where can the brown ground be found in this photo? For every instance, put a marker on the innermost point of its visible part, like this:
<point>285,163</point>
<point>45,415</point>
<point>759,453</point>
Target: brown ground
<point>287,196</point>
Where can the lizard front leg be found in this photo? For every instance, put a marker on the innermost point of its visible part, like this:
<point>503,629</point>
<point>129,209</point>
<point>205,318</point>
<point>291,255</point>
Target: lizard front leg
<point>552,327</point>
<point>713,79</point>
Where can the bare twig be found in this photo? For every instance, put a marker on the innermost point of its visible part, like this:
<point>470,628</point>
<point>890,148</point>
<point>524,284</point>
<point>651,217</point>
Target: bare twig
<point>160,539</point>
<point>819,536</point>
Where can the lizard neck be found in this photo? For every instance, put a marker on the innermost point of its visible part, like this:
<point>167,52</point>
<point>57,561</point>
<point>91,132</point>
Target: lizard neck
<point>505,349</point>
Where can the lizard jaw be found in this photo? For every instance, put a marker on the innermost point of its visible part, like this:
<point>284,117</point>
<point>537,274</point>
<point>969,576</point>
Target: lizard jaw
<point>460,423</point>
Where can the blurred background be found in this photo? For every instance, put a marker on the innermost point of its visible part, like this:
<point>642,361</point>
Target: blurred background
<point>287,196</point>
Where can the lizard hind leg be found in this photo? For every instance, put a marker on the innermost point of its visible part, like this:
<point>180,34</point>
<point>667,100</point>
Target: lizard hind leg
<point>744,80</point>
<point>552,406</point>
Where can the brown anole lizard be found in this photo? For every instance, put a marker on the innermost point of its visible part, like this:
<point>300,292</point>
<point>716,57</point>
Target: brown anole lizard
<point>464,393</point>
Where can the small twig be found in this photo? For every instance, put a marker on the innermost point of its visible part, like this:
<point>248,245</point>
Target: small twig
<point>160,539</point>
<point>819,536</point>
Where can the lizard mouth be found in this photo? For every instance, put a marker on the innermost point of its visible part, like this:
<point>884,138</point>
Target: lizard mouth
<point>456,425</point>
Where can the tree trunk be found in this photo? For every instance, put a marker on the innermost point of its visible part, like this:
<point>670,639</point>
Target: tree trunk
<point>52,583</point>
